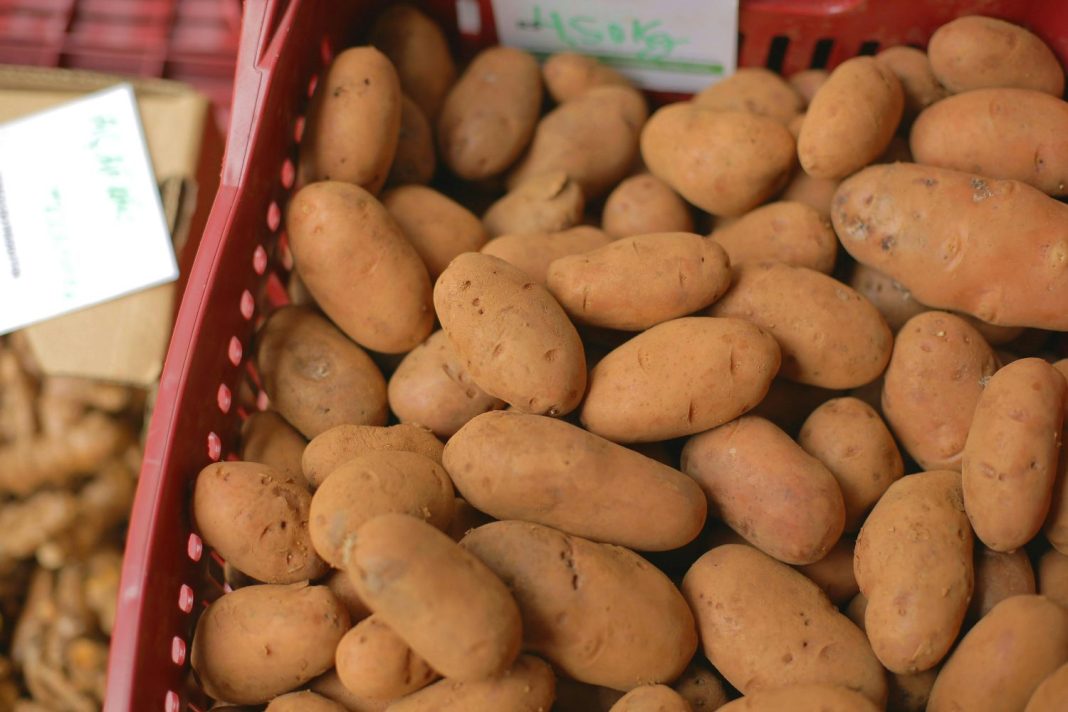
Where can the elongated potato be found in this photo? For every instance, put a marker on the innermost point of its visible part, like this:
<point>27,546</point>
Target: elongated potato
<point>933,384</point>
<point>447,605</point>
<point>1051,694</point>
<point>913,69</point>
<point>534,253</point>
<point>550,202</point>
<point>786,231</point>
<point>418,49</point>
<point>893,301</point>
<point>372,661</point>
<point>644,204</point>
<point>305,701</point>
<point>527,686</point>
<point>537,469</point>
<point>834,573</point>
<point>414,160</point>
<point>754,90</point>
<point>803,698</point>
<point>998,576</point>
<point>266,437</point>
<point>1053,576</point>
<point>511,335</point>
<point>438,227</point>
<point>336,446</point>
<point>807,82</point>
<point>765,626</point>
<point>724,162</point>
<point>362,271</point>
<point>652,698</point>
<point>600,613</point>
<point>570,74</point>
<point>913,562</point>
<point>679,378</point>
<point>766,488</point>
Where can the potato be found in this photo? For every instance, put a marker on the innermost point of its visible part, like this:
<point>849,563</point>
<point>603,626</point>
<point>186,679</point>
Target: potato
<point>599,613</point>
<point>933,384</point>
<point>980,52</point>
<point>258,642</point>
<point>537,469</point>
<point>1010,457</point>
<point>356,262</point>
<point>803,698</point>
<point>786,231</point>
<point>894,302</point>
<point>788,403</point>
<point>679,378</point>
<point>464,519</point>
<point>766,488</point>
<point>329,686</point>
<point>305,701</point>
<point>373,484</point>
<point>420,52</point>
<point>995,335</point>
<point>528,686</point>
<point>266,437</point>
<point>256,517</point>
<point>765,626</point>
<point>489,115</point>
<point>315,377</point>
<point>853,442</point>
<point>913,562</point>
<point>852,118</point>
<point>341,586</point>
<point>438,227</point>
<point>834,573</point>
<point>807,82</point>
<point>372,661</point>
<point>638,282</point>
<point>830,336</point>
<point>1050,695</point>
<point>1001,661</point>
<point>353,121</point>
<point>550,202</point>
<point>724,162</point>
<point>1053,576</point>
<point>414,160</point>
<point>534,253</point>
<point>701,688</point>
<point>336,446</point>
<point>511,335</point>
<point>644,204</point>
<point>652,698</point>
<point>795,126</point>
<point>998,576</point>
<point>913,69</point>
<point>593,138</point>
<point>575,696</point>
<point>753,90</point>
<point>816,193</point>
<point>569,74</point>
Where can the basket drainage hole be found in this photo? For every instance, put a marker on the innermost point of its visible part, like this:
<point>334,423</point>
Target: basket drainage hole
<point>195,549</point>
<point>185,595</point>
<point>178,651</point>
<point>171,702</point>
<point>259,259</point>
<point>214,447</point>
<point>274,216</point>
<point>235,351</point>
<point>289,173</point>
<point>248,304</point>
<point>224,398</point>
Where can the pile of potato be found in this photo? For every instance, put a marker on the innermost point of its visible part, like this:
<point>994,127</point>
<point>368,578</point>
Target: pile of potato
<point>633,466</point>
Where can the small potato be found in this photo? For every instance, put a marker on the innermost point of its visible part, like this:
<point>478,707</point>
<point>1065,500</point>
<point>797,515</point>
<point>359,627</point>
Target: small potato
<point>894,302</point>
<point>528,686</point>
<point>724,162</point>
<point>534,253</point>
<point>852,118</point>
<point>1010,456</point>
<point>372,661</point>
<point>807,82</point>
<point>754,90</point>
<point>788,232</point>
<point>834,573</point>
<point>511,335</point>
<point>913,562</point>
<point>978,52</point>
<point>816,193</point>
<point>853,442</point>
<point>446,604</point>
<point>266,437</point>
<point>644,204</point>
<point>353,121</point>
<point>341,586</point>
<point>438,227</point>
<point>329,686</point>
<point>363,272</point>
<point>788,404</point>
<point>315,377</point>
<point>305,701</point>
<point>373,484</point>
<point>638,282</point>
<point>765,626</point>
<point>766,488</point>
<point>600,613</point>
<point>258,642</point>
<point>538,469</point>
<point>1001,661</point>
<point>1051,694</point>
<point>936,375</point>
<point>803,698</point>
<point>652,698</point>
<point>550,202</point>
<point>830,336</point>
<point>680,378</point>
<point>913,69</point>
<point>999,576</point>
<point>489,115</point>
<point>1053,576</point>
<point>256,517</point>
<point>420,52</point>
<point>336,446</point>
<point>414,160</point>
<point>702,688</point>
<point>569,74</point>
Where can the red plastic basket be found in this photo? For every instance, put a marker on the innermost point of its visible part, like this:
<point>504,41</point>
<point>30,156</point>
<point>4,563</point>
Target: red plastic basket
<point>168,576</point>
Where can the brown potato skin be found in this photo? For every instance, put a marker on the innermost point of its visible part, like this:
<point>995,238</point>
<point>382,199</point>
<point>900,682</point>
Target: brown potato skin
<point>511,335</point>
<point>834,573</point>
<point>724,162</point>
<point>852,118</point>
<point>652,698</point>
<point>764,626</point>
<point>644,204</point>
<point>414,160</point>
<point>575,696</point>
<point>679,378</point>
<point>256,517</point>
<point>893,301</point>
<point>913,69</point>
<point>305,701</point>
<point>817,193</point>
<point>336,446</point>
<point>637,282</point>
<point>353,121</point>
<point>766,488</point>
<point>315,377</point>
<point>550,202</point>
<point>258,642</point>
<point>565,583</point>
<point>913,562</point>
<point>534,253</point>
<point>341,586</point>
<point>528,686</point>
<point>418,49</point>
<point>803,698</point>
<point>266,437</point>
<point>373,661</point>
<point>933,384</point>
<point>329,685</point>
<point>446,604</point>
<point>785,231</point>
<point>853,442</point>
<point>438,227</point>
<point>1010,457</point>
<point>568,75</point>
<point>537,469</point>
<point>490,113</point>
<point>807,82</point>
<point>1051,694</point>
<point>998,576</point>
<point>754,90</point>
<point>364,274</point>
<point>830,336</point>
<point>1053,576</point>
<point>702,688</point>
<point>1001,661</point>
<point>1056,526</point>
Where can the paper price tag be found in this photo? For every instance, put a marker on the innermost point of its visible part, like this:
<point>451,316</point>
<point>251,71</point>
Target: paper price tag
<point>669,45</point>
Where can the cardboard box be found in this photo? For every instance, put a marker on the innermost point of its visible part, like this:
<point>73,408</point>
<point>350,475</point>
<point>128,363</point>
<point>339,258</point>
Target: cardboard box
<point>125,340</point>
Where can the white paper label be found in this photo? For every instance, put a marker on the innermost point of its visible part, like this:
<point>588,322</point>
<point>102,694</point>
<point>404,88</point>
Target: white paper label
<point>668,45</point>
<point>80,215</point>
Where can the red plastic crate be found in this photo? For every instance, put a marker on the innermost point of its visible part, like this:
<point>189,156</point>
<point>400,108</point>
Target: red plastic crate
<point>168,577</point>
